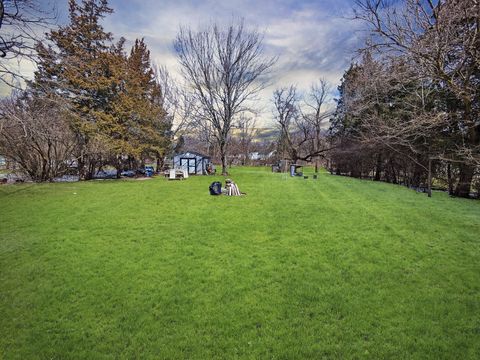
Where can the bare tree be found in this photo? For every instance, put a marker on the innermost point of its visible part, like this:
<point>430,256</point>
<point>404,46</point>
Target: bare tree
<point>316,115</point>
<point>442,38</point>
<point>225,68</point>
<point>176,101</point>
<point>286,114</point>
<point>22,23</point>
<point>242,139</point>
<point>248,131</point>
<point>405,120</point>
<point>179,106</point>
<point>36,135</point>
<point>298,138</point>
<point>387,109</point>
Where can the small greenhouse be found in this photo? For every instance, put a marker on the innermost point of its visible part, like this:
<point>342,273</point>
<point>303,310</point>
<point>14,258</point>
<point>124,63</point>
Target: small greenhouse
<point>194,162</point>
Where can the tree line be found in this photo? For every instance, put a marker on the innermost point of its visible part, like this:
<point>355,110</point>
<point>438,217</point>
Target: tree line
<point>94,104</point>
<point>91,103</point>
<point>408,111</point>
<point>300,119</point>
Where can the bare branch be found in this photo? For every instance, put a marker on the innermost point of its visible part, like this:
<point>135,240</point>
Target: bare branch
<point>224,68</point>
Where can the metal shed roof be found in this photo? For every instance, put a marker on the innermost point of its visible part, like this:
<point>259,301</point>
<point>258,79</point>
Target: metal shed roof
<point>193,153</point>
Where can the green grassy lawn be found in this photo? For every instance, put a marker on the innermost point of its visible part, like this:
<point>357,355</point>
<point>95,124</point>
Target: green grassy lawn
<point>297,269</point>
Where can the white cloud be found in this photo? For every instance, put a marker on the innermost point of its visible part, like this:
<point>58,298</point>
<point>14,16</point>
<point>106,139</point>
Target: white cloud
<point>311,40</point>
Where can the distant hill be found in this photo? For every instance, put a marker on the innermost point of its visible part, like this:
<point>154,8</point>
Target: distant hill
<point>261,134</point>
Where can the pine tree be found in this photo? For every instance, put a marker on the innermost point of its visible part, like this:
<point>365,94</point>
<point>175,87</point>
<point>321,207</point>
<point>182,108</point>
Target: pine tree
<point>114,95</point>
<point>75,65</point>
<point>150,116</point>
<point>138,125</point>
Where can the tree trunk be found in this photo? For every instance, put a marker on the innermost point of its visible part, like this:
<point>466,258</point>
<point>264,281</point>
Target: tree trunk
<point>388,177</point>
<point>429,177</point>
<point>81,168</point>
<point>467,171</point>
<point>416,177</point>
<point>356,173</point>
<point>378,168</point>
<point>159,164</point>
<point>317,146</point>
<point>223,158</point>
<point>450,180</point>
<point>91,171</point>
<point>465,181</point>
<point>392,172</point>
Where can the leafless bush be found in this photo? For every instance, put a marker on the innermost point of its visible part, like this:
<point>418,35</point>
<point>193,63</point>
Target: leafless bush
<point>35,135</point>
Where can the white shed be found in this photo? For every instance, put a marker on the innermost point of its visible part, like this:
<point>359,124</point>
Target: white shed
<point>194,162</point>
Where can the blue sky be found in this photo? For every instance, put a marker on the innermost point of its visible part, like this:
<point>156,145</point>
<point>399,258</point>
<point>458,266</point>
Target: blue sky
<point>312,38</point>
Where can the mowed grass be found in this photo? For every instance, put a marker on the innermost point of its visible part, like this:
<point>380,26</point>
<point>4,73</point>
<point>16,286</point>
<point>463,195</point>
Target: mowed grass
<point>297,269</point>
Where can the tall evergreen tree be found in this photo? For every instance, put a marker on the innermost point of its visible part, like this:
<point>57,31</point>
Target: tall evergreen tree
<point>114,94</point>
<point>75,65</point>
<point>138,124</point>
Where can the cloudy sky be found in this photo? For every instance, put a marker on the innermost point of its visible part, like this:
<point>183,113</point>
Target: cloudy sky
<point>312,38</point>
